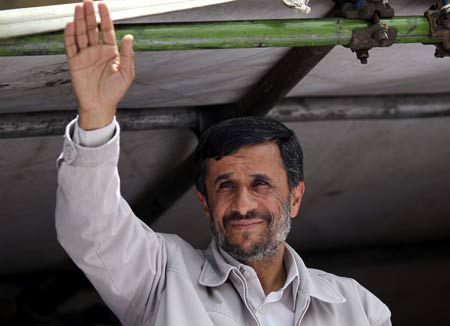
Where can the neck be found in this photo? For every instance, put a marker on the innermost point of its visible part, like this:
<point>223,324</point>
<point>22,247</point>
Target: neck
<point>271,271</point>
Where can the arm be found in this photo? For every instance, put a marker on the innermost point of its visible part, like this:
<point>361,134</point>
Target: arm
<point>122,257</point>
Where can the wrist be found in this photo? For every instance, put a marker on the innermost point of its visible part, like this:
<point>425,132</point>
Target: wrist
<point>95,120</point>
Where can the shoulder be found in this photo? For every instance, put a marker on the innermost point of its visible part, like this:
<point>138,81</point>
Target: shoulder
<point>356,295</point>
<point>176,244</point>
<point>181,255</point>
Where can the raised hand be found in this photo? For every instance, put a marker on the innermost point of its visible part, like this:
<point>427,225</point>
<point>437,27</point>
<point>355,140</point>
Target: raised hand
<point>100,74</point>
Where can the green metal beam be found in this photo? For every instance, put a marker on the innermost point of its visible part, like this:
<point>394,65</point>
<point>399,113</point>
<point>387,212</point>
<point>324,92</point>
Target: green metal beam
<point>233,34</point>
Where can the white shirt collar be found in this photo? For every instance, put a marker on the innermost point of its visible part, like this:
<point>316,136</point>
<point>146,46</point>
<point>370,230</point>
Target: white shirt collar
<point>292,274</point>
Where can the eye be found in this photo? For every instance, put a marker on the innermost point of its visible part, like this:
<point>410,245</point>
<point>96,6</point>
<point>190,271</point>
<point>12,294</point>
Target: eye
<point>226,185</point>
<point>260,183</point>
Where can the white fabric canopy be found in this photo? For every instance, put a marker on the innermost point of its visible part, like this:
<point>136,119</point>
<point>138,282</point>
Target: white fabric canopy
<point>36,20</point>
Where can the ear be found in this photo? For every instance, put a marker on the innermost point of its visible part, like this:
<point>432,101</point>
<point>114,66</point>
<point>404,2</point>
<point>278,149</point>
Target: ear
<point>296,200</point>
<point>205,206</point>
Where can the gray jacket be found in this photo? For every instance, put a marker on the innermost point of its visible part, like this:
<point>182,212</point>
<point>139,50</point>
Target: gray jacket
<point>149,278</point>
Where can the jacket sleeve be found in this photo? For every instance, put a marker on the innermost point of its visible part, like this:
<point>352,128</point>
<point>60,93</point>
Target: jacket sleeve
<point>377,312</point>
<point>122,257</point>
<point>386,323</point>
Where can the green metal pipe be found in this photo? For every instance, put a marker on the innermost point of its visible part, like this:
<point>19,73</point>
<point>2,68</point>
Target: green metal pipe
<point>232,34</point>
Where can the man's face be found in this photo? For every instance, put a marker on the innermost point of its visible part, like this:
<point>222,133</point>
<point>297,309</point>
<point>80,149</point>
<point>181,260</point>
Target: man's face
<point>249,205</point>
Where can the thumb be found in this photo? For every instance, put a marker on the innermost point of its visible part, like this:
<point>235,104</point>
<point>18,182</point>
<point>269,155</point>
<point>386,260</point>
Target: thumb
<point>127,57</point>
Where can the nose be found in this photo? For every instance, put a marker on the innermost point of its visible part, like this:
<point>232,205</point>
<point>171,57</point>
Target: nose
<point>243,201</point>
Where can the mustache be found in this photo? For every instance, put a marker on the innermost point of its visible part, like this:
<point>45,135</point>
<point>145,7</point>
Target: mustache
<point>236,216</point>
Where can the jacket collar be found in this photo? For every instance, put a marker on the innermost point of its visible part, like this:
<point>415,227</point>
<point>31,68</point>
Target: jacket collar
<point>312,284</point>
<point>216,270</point>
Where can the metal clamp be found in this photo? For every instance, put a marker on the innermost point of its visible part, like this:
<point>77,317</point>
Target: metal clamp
<point>439,17</point>
<point>377,35</point>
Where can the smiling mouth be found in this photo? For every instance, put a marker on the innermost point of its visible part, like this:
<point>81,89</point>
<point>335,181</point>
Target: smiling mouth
<point>245,224</point>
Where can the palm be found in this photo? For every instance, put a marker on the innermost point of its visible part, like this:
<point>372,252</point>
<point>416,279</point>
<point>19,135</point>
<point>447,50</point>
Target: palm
<point>96,79</point>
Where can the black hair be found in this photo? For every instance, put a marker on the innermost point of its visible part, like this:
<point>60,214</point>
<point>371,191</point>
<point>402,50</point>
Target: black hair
<point>227,137</point>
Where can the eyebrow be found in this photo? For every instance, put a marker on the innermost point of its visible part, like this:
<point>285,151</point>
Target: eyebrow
<point>221,177</point>
<point>227,176</point>
<point>262,177</point>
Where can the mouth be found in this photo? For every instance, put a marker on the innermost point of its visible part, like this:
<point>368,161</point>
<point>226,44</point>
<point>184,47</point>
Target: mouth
<point>245,224</point>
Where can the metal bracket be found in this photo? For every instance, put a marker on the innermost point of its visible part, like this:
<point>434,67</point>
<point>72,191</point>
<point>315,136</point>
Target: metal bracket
<point>439,17</point>
<point>377,35</point>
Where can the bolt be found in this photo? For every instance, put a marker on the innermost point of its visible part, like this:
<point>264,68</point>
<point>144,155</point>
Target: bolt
<point>381,36</point>
<point>438,54</point>
<point>441,51</point>
<point>362,56</point>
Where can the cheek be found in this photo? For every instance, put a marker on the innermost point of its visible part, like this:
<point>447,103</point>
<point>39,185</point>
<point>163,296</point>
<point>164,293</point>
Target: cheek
<point>275,202</point>
<point>216,212</point>
<point>219,203</point>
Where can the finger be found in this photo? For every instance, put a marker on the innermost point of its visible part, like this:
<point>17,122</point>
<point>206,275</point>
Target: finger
<point>69,40</point>
<point>80,28</point>
<point>91,23</point>
<point>109,36</point>
<point>127,57</point>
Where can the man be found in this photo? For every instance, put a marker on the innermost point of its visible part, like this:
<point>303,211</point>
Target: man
<point>249,176</point>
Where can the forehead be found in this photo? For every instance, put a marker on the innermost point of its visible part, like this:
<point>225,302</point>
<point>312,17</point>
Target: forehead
<point>262,158</point>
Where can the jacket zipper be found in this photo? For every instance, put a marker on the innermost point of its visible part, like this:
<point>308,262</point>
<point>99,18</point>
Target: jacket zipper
<point>246,299</point>
<point>304,311</point>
